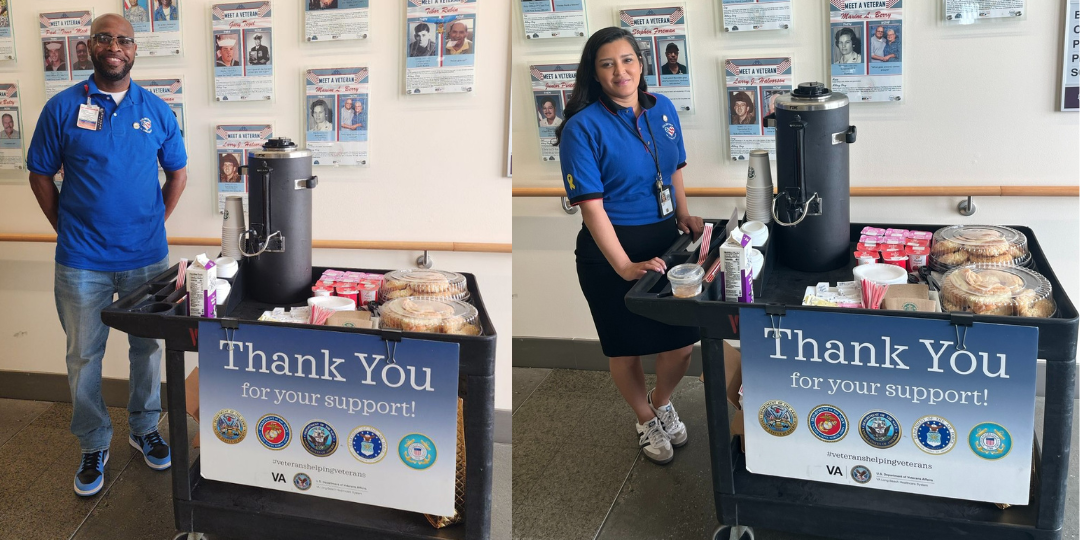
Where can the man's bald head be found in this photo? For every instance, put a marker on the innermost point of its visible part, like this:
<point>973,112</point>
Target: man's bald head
<point>114,22</point>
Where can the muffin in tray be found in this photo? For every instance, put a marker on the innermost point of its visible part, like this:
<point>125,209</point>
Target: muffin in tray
<point>424,284</point>
<point>959,245</point>
<point>434,315</point>
<point>989,289</point>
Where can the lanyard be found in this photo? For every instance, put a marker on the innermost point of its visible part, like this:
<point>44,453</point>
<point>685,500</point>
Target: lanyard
<point>654,153</point>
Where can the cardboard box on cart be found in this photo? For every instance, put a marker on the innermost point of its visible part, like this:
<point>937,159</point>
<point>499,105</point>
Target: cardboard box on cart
<point>733,375</point>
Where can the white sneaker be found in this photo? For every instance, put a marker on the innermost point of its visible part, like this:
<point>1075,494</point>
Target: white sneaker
<point>669,419</point>
<point>654,442</point>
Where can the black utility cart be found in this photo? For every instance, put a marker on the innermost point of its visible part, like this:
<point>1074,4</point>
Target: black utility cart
<point>747,500</point>
<point>156,310</point>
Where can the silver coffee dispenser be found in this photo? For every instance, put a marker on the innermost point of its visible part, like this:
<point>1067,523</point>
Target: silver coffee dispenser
<point>277,244</point>
<point>812,205</point>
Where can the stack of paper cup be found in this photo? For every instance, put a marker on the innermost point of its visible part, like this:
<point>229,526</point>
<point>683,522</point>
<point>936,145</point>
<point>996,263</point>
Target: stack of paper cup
<point>759,187</point>
<point>232,226</point>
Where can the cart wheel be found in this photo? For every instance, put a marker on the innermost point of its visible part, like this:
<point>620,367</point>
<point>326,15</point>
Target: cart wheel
<point>738,532</point>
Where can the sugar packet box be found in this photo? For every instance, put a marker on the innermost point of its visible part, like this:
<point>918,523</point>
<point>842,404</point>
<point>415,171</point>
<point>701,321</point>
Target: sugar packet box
<point>202,290</point>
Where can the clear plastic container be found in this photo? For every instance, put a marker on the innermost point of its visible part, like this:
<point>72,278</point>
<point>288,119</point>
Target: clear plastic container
<point>989,289</point>
<point>959,245</point>
<point>423,284</point>
<point>435,315</point>
<point>686,280</point>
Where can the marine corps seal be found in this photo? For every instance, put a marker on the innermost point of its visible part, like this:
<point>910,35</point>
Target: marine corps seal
<point>229,426</point>
<point>778,418</point>
<point>827,423</point>
<point>273,432</point>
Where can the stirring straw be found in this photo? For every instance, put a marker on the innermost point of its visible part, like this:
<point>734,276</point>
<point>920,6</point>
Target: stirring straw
<point>706,239</point>
<point>872,294</point>
<point>181,274</point>
<point>319,314</point>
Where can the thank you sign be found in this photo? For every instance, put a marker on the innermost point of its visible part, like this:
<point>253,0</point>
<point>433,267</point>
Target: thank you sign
<point>894,403</point>
<point>339,415</point>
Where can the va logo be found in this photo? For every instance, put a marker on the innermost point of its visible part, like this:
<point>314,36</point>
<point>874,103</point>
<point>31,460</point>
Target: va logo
<point>834,471</point>
<point>861,474</point>
<point>277,477</point>
<point>302,481</point>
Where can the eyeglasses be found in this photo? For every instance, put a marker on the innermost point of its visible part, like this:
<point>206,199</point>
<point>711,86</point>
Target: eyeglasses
<point>106,40</point>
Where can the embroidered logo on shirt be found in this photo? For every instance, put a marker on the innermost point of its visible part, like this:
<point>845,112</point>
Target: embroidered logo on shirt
<point>570,181</point>
<point>146,127</point>
<point>670,130</point>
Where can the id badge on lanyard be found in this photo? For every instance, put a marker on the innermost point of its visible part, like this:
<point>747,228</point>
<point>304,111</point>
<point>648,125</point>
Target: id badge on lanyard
<point>663,197</point>
<point>90,115</point>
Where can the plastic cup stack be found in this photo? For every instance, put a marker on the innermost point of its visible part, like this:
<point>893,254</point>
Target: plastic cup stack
<point>232,226</point>
<point>759,187</point>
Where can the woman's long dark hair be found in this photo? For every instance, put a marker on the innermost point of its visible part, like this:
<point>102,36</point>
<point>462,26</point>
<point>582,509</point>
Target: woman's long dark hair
<point>586,88</point>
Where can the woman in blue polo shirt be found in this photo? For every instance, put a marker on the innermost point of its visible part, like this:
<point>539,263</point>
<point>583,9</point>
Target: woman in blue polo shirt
<point>622,155</point>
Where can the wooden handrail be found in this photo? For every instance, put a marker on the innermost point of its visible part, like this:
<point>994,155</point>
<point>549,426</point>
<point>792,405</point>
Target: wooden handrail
<point>471,247</point>
<point>883,191</point>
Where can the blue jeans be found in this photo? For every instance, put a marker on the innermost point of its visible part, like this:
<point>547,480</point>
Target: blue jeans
<point>80,297</point>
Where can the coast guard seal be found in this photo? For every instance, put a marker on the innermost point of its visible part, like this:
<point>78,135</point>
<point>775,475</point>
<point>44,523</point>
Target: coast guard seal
<point>273,432</point>
<point>933,435</point>
<point>229,426</point>
<point>827,423</point>
<point>879,429</point>
<point>778,418</point>
<point>367,444</point>
<point>417,451</point>
<point>319,438</point>
<point>990,440</point>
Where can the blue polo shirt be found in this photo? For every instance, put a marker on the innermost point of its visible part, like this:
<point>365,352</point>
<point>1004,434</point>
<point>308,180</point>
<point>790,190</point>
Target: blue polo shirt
<point>605,154</point>
<point>112,216</point>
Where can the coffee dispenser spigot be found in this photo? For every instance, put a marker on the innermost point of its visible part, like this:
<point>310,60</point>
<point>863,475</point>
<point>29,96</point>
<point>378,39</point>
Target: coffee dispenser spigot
<point>797,204</point>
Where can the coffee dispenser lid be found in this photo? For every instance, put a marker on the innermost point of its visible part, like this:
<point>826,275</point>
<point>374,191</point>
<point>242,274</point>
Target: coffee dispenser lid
<point>280,148</point>
<point>811,96</point>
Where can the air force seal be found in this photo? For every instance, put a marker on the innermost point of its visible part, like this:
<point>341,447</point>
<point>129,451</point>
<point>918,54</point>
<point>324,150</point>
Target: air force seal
<point>319,438</point>
<point>417,451</point>
<point>302,481</point>
<point>367,444</point>
<point>879,429</point>
<point>778,418</point>
<point>990,441</point>
<point>861,474</point>
<point>827,423</point>
<point>274,432</point>
<point>229,426</point>
<point>933,435</point>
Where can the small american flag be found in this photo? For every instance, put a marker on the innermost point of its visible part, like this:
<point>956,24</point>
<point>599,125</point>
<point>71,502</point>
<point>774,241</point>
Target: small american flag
<point>312,77</point>
<point>415,2</point>
<point>731,67</point>
<point>45,21</point>
<point>221,133</point>
<point>891,3</point>
<point>676,15</point>
<point>838,4</point>
<point>264,9</point>
<point>361,75</point>
<point>536,73</point>
<point>12,90</point>
<point>782,66</point>
<point>266,132</point>
<point>85,18</point>
<point>626,18</point>
<point>175,87</point>
<point>218,12</point>
<point>127,4</point>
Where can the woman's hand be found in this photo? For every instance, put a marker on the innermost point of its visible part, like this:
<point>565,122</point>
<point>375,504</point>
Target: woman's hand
<point>633,271</point>
<point>691,224</point>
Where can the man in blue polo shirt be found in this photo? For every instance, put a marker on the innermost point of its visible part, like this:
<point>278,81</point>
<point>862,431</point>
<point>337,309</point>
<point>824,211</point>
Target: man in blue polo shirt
<point>109,135</point>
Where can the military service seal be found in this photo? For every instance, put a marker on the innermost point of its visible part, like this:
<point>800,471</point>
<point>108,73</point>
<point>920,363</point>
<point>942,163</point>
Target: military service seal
<point>778,418</point>
<point>274,432</point>
<point>990,440</point>
<point>417,451</point>
<point>367,444</point>
<point>229,426</point>
<point>879,429</point>
<point>827,423</point>
<point>933,435</point>
<point>861,474</point>
<point>319,438</point>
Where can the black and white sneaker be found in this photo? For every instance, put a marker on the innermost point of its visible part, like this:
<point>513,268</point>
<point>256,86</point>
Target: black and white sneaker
<point>669,419</point>
<point>654,442</point>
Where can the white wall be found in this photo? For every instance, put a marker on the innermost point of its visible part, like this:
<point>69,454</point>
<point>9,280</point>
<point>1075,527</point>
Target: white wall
<point>979,110</point>
<point>452,190</point>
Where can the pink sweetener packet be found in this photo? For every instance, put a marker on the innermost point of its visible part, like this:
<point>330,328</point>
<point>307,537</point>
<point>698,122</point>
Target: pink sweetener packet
<point>873,231</point>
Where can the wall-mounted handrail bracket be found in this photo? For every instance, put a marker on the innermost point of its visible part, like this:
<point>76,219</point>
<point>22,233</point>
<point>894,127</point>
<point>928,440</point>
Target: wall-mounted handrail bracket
<point>966,207</point>
<point>424,261</point>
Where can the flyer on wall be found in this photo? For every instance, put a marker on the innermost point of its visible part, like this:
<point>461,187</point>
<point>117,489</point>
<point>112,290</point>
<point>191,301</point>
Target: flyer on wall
<point>866,49</point>
<point>329,20</point>
<point>171,91</point>
<point>7,36</point>
<point>11,143</point>
<point>554,18</point>
<point>1070,60</point>
<point>891,403</point>
<point>753,84</point>
<point>231,144</point>
<point>157,26</point>
<point>749,15</point>
<point>661,35</point>
<point>65,37</point>
<point>972,11</point>
<point>243,45</point>
<point>440,46</point>
<point>552,85</point>
<point>336,113</point>
<point>327,414</point>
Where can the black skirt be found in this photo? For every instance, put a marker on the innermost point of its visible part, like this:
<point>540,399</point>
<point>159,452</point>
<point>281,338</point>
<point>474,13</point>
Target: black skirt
<point>621,332</point>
